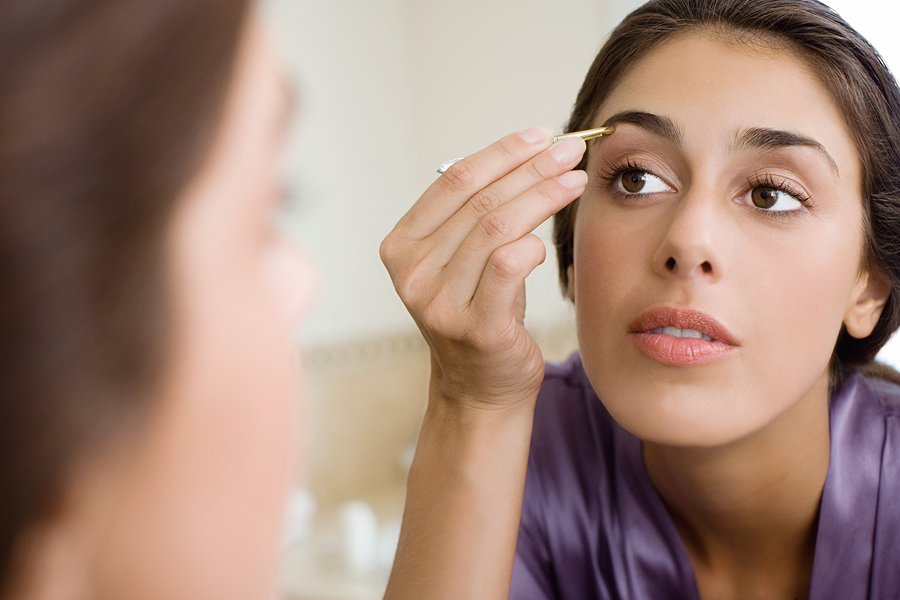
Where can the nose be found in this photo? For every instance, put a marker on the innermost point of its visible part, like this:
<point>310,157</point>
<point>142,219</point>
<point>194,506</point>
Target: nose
<point>692,245</point>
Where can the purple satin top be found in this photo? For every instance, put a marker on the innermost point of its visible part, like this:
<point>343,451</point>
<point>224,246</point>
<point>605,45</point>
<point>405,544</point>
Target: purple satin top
<point>593,525</point>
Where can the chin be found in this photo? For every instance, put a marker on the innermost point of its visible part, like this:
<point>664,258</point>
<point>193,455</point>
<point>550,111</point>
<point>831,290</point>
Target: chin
<point>702,413</point>
<point>681,429</point>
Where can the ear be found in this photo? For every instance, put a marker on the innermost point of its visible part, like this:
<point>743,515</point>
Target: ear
<point>866,303</point>
<point>570,285</point>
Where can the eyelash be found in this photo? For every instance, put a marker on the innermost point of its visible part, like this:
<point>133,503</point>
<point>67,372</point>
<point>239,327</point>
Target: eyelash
<point>612,172</point>
<point>768,180</point>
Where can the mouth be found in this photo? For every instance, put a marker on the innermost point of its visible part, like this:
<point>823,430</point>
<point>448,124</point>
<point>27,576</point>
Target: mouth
<point>681,337</point>
<point>682,333</point>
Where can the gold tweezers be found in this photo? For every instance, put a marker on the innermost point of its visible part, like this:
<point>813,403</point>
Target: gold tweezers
<point>588,134</point>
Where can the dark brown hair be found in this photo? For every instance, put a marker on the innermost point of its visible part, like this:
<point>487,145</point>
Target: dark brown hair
<point>107,110</point>
<point>847,65</point>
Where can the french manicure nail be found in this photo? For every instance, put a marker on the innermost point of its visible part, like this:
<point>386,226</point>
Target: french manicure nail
<point>568,151</point>
<point>573,179</point>
<point>535,135</point>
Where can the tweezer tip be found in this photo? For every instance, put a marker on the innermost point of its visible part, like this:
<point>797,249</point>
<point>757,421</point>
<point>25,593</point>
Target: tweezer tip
<point>585,135</point>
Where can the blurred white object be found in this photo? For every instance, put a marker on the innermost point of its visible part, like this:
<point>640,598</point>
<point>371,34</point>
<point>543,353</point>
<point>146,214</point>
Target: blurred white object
<point>359,529</point>
<point>299,513</point>
<point>406,456</point>
<point>388,539</point>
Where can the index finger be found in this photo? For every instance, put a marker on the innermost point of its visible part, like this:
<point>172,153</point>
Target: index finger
<point>468,176</point>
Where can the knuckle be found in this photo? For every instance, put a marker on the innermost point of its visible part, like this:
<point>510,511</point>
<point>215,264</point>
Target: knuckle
<point>506,263</point>
<point>412,286</point>
<point>551,190</point>
<point>495,226</point>
<point>460,177</point>
<point>438,321</point>
<point>405,288</point>
<point>508,147</point>
<point>539,170</point>
<point>394,252</point>
<point>485,201</point>
<point>387,252</point>
<point>433,318</point>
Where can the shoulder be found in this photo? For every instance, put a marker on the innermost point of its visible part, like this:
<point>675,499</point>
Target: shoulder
<point>566,389</point>
<point>585,490</point>
<point>568,410</point>
<point>572,438</point>
<point>568,375</point>
<point>884,394</point>
<point>872,467</point>
<point>865,399</point>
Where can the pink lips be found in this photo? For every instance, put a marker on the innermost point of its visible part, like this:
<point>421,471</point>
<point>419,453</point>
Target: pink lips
<point>680,351</point>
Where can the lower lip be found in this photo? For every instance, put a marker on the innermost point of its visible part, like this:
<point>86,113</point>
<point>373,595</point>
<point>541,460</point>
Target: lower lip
<point>680,352</point>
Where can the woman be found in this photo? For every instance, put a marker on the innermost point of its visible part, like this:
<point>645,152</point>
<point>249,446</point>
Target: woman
<point>147,302</point>
<point>731,257</point>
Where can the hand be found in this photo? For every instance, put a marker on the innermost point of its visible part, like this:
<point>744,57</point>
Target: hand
<point>459,259</point>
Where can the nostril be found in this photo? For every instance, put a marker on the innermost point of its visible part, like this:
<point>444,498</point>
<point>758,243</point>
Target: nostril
<point>706,267</point>
<point>670,264</point>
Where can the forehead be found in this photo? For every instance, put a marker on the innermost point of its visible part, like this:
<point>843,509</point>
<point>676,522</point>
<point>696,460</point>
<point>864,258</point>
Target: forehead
<point>718,61</point>
<point>714,87</point>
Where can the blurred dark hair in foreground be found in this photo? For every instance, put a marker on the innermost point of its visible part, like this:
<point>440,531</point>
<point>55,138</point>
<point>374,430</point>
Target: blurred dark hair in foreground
<point>107,110</point>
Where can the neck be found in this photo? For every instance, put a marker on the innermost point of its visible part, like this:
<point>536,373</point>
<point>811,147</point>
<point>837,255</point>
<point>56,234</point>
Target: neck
<point>748,510</point>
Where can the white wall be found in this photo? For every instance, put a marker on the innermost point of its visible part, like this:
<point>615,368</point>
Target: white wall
<point>350,158</point>
<point>389,90</point>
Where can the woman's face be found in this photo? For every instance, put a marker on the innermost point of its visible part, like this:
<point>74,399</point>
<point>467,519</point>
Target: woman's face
<point>196,512</point>
<point>726,205</point>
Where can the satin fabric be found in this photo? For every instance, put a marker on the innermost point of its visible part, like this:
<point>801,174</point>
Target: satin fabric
<point>593,525</point>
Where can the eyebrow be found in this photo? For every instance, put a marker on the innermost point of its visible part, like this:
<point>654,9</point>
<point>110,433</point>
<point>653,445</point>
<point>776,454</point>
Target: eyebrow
<point>655,124</point>
<point>761,138</point>
<point>758,138</point>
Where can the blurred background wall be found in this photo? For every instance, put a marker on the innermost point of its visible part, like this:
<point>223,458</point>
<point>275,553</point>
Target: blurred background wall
<point>388,90</point>
<point>392,88</point>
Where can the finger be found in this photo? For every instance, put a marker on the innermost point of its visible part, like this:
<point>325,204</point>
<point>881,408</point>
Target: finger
<point>504,225</point>
<point>550,163</point>
<point>497,302</point>
<point>473,173</point>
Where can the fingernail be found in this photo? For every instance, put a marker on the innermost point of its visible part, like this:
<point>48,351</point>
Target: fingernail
<point>568,151</point>
<point>535,135</point>
<point>573,179</point>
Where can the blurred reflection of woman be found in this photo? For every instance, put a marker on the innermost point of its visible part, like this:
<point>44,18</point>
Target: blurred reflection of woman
<point>148,387</point>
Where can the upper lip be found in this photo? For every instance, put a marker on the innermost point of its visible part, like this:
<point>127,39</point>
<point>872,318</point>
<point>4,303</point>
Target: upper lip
<point>682,318</point>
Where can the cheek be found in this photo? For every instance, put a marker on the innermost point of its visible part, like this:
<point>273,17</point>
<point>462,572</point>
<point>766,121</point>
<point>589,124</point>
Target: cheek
<point>290,279</point>
<point>612,264</point>
<point>799,299</point>
<point>201,512</point>
<point>200,516</point>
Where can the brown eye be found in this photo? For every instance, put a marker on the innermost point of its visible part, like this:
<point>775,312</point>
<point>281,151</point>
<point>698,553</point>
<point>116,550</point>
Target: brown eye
<point>764,197</point>
<point>633,181</point>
